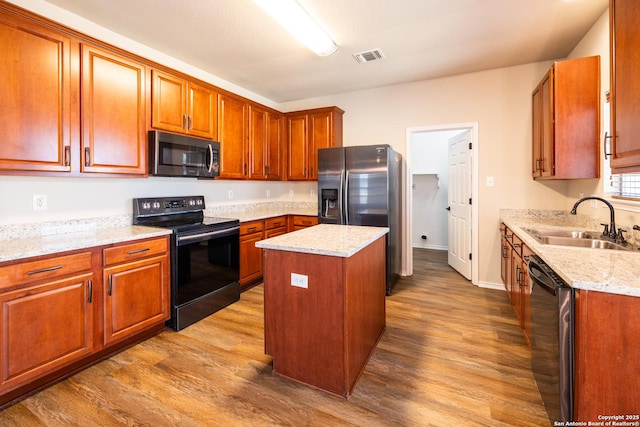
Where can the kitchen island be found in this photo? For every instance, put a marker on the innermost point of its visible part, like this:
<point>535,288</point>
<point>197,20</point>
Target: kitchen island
<point>324,303</point>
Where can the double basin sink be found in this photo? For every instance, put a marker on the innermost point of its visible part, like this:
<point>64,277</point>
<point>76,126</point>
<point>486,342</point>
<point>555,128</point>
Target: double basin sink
<point>580,239</point>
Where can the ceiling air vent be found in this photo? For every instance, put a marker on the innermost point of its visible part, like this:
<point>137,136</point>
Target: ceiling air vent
<point>368,56</point>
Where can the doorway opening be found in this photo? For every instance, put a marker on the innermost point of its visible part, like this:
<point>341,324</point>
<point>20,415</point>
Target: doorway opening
<point>427,177</point>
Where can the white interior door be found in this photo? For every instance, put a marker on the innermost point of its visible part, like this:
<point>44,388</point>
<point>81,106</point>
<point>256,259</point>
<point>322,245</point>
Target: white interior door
<point>460,203</point>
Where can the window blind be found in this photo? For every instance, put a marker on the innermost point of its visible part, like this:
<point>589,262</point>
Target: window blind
<point>625,185</point>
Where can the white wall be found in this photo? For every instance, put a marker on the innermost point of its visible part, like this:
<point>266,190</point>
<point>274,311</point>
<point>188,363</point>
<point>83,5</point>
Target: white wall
<point>429,163</point>
<point>498,100</point>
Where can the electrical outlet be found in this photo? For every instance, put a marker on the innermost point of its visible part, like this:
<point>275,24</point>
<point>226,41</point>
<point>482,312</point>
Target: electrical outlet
<point>268,193</point>
<point>231,194</point>
<point>312,193</point>
<point>290,193</point>
<point>299,280</point>
<point>39,202</point>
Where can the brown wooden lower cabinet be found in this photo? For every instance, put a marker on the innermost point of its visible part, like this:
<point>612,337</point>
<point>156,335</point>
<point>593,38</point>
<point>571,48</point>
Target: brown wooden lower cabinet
<point>254,231</point>
<point>250,256</point>
<point>61,312</point>
<point>323,335</point>
<point>607,356</point>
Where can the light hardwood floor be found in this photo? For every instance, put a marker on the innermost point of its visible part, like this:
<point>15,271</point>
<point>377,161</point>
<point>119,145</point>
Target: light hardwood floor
<point>451,355</point>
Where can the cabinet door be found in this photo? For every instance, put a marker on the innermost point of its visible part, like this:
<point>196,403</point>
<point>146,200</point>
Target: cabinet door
<point>625,86</point>
<point>136,296</point>
<point>547,152</point>
<point>232,135</point>
<point>201,111</point>
<point>35,88</point>
<point>168,102</point>
<point>320,136</point>
<point>275,139</point>
<point>258,126</point>
<point>250,256</point>
<point>114,137</point>
<point>297,147</point>
<point>59,316</point>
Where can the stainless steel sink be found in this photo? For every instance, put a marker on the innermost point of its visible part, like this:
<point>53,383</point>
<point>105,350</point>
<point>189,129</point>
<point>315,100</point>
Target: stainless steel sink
<point>575,238</point>
<point>572,234</point>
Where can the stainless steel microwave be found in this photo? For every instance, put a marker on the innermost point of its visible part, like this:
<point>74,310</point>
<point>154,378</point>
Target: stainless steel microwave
<point>171,154</point>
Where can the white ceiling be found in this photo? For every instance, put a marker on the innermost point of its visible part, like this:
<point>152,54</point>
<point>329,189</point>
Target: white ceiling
<point>422,39</point>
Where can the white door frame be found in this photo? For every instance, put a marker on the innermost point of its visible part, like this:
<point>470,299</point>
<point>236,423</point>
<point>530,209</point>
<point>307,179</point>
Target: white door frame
<point>408,194</point>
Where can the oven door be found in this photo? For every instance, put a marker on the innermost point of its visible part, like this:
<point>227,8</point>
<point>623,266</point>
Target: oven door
<point>205,274</point>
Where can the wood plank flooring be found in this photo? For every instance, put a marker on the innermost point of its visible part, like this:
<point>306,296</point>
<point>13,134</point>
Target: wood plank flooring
<point>451,355</point>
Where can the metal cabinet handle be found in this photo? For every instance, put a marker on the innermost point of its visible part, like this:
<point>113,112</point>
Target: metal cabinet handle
<point>90,291</point>
<point>137,251</point>
<point>67,156</point>
<point>110,284</point>
<point>190,121</point>
<point>604,144</point>
<point>44,270</point>
<point>184,121</point>
<point>87,156</point>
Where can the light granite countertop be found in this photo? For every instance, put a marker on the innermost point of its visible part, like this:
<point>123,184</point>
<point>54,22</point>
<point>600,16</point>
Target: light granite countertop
<point>326,239</point>
<point>20,241</point>
<point>603,270</point>
<point>26,247</point>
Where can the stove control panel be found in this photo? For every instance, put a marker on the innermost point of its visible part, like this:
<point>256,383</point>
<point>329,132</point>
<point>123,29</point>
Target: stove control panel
<point>167,205</point>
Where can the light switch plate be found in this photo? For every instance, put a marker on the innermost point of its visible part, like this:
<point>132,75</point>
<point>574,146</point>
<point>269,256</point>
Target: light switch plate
<point>299,280</point>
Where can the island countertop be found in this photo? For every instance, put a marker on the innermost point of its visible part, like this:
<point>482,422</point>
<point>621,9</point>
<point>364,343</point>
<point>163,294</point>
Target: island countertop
<point>326,239</point>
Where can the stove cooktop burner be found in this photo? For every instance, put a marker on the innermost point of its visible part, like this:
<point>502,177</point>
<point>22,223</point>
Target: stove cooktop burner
<point>181,214</point>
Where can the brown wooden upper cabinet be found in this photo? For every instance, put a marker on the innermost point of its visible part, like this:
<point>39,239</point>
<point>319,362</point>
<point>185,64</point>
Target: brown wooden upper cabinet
<point>624,16</point>
<point>183,106</point>
<point>233,130</point>
<point>36,87</point>
<point>307,131</point>
<point>114,120</point>
<point>266,137</point>
<point>45,75</point>
<point>566,125</point>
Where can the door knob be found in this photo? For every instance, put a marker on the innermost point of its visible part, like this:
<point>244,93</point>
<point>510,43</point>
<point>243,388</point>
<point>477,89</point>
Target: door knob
<point>448,208</point>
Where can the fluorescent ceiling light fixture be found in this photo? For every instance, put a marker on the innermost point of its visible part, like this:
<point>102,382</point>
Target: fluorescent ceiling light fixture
<point>299,24</point>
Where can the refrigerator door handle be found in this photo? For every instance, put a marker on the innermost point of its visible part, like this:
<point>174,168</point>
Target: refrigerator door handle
<point>345,202</point>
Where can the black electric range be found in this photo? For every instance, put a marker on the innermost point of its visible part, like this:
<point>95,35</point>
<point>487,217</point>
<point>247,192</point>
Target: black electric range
<point>205,255</point>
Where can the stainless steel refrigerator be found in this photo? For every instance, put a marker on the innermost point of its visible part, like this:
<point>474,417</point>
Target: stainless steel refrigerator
<point>362,185</point>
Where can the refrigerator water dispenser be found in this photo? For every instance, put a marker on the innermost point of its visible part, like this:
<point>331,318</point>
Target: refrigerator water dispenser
<point>330,207</point>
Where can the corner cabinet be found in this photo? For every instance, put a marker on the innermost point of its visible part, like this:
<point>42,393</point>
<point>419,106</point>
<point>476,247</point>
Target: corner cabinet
<point>308,131</point>
<point>566,121</point>
<point>183,106</point>
<point>624,16</point>
<point>62,312</point>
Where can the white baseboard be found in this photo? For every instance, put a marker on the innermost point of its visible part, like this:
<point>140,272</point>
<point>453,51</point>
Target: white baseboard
<point>428,246</point>
<point>489,285</point>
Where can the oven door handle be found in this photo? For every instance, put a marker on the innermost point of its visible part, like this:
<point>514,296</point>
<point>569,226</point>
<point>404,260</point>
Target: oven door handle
<point>207,235</point>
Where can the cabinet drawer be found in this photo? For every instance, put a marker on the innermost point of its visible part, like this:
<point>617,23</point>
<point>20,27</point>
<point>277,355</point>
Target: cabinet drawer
<point>275,222</point>
<point>251,227</point>
<point>517,245</point>
<point>50,268</point>
<point>133,251</point>
<point>305,220</point>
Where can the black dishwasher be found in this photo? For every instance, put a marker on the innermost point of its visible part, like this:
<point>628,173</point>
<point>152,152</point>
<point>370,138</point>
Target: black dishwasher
<point>552,329</point>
